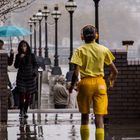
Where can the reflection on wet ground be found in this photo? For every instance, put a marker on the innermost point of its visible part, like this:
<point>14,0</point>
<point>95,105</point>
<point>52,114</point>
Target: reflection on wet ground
<point>127,131</point>
<point>60,126</point>
<point>43,127</point>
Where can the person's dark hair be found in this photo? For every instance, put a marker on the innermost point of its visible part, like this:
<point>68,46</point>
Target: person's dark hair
<point>89,33</point>
<point>20,47</point>
<point>1,41</point>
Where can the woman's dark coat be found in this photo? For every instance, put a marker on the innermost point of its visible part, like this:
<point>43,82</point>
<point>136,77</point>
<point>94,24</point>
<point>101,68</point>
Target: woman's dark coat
<point>27,73</point>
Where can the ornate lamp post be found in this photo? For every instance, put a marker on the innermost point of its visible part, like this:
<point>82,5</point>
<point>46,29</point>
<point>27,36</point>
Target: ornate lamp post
<point>97,17</point>
<point>46,13</point>
<point>56,69</point>
<point>70,7</point>
<point>30,22</point>
<point>39,16</point>
<point>34,20</point>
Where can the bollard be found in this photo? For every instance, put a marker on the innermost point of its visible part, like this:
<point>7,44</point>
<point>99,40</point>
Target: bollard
<point>40,70</point>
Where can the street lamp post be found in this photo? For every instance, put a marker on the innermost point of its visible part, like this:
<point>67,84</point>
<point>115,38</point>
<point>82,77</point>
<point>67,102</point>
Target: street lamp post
<point>30,22</point>
<point>34,19</point>
<point>39,17</point>
<point>70,7</point>
<point>56,69</point>
<point>46,13</point>
<point>97,17</point>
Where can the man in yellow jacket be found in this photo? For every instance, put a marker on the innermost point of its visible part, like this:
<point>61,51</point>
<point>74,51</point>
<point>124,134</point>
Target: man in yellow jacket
<point>89,60</point>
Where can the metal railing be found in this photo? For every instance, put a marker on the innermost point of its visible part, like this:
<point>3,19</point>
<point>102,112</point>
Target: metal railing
<point>40,70</point>
<point>37,104</point>
<point>49,111</point>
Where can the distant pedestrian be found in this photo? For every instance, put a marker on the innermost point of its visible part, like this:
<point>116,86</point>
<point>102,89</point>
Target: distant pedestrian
<point>11,57</point>
<point>26,64</point>
<point>60,93</point>
<point>89,60</point>
<point>10,62</point>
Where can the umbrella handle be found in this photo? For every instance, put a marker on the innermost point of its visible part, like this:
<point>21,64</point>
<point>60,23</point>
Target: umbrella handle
<point>11,42</point>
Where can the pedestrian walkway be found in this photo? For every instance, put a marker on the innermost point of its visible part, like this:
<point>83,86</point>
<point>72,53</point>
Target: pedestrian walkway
<point>45,96</point>
<point>51,124</point>
<point>54,126</point>
<point>45,126</point>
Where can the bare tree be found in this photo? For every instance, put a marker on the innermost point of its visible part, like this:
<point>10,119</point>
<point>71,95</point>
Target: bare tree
<point>7,6</point>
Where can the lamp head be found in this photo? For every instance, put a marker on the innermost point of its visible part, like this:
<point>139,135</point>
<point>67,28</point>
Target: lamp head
<point>39,15</point>
<point>71,6</point>
<point>45,12</point>
<point>56,13</point>
<point>34,19</point>
<point>30,22</point>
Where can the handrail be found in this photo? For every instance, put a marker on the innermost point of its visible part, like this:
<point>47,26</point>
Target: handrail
<point>48,111</point>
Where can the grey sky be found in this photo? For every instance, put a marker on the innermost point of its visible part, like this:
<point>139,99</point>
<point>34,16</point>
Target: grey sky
<point>118,20</point>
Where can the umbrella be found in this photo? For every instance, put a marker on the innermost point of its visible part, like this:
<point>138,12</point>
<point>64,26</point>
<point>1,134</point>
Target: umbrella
<point>11,31</point>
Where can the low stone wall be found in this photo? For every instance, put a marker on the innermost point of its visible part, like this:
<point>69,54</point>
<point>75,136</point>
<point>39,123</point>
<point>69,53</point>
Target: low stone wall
<point>124,98</point>
<point>3,87</point>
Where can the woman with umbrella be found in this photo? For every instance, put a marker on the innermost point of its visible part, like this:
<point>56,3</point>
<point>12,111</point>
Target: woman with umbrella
<point>26,64</point>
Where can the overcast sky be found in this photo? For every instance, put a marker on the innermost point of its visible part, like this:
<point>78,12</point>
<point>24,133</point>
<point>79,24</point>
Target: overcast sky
<point>118,20</point>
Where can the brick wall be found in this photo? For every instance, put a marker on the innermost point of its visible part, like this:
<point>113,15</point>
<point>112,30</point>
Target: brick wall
<point>124,98</point>
<point>3,87</point>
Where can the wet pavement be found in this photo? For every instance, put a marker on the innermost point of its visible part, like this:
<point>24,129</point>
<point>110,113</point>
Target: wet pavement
<point>43,127</point>
<point>54,126</point>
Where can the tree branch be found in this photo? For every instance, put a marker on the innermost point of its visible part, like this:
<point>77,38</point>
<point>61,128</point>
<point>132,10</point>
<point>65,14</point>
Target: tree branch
<point>7,6</point>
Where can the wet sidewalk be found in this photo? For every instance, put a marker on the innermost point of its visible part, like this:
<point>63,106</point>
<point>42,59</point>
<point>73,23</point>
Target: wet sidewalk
<point>54,126</point>
<point>43,127</point>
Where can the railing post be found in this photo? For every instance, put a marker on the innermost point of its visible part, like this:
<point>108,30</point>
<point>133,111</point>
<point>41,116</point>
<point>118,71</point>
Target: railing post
<point>40,70</point>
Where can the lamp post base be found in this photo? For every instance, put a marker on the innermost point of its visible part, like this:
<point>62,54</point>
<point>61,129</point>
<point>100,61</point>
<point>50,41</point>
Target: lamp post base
<point>47,61</point>
<point>69,76</point>
<point>40,62</point>
<point>56,70</point>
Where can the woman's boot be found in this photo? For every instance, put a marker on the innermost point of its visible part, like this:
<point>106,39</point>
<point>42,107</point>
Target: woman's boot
<point>25,109</point>
<point>21,113</point>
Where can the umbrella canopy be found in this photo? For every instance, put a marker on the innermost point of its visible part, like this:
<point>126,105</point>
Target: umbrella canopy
<point>10,31</point>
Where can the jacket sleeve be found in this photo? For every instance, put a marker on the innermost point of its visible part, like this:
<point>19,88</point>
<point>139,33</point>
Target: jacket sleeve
<point>17,61</point>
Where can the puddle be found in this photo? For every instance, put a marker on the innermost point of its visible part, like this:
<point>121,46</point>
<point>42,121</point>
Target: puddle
<point>60,126</point>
